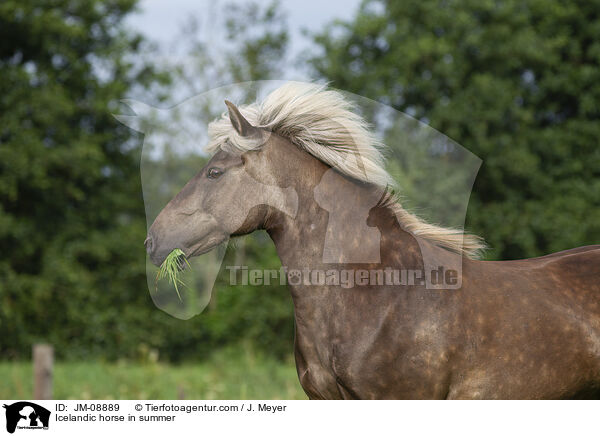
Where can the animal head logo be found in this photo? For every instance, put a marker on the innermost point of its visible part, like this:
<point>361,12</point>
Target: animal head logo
<point>26,415</point>
<point>215,203</point>
<point>246,176</point>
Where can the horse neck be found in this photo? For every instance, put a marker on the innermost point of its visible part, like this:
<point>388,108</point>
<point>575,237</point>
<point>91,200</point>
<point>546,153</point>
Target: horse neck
<point>300,240</point>
<point>319,310</point>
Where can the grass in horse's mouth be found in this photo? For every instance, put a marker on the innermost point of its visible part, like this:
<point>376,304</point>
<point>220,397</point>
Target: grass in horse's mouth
<point>171,267</point>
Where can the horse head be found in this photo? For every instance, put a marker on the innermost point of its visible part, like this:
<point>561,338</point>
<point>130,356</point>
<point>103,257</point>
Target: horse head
<point>234,194</point>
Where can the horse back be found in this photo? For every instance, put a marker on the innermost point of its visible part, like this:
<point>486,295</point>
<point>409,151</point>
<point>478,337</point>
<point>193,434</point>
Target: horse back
<point>581,261</point>
<point>530,328</point>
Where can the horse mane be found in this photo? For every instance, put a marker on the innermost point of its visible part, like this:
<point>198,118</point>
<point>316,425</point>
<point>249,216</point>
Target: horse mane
<point>323,123</point>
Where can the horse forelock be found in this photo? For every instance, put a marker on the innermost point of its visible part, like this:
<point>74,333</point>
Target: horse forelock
<point>323,123</point>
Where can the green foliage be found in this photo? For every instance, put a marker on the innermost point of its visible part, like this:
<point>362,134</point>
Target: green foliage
<point>515,82</point>
<point>262,54</point>
<point>247,41</point>
<point>69,191</point>
<point>72,223</point>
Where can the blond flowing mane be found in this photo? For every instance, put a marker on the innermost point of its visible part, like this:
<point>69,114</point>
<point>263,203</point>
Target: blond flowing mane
<point>323,123</point>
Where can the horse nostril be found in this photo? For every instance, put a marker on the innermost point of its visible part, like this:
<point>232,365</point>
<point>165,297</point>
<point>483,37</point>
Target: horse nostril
<point>149,244</point>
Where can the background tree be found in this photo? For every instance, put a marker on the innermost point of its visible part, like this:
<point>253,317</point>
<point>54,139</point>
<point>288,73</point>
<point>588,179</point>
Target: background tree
<point>70,208</point>
<point>72,263</point>
<point>515,82</point>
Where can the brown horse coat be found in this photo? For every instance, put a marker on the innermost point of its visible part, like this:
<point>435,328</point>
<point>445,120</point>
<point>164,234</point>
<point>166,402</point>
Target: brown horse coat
<point>515,329</point>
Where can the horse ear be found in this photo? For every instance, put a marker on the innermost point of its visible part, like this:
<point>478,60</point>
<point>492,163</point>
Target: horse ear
<point>131,121</point>
<point>135,122</point>
<point>240,124</point>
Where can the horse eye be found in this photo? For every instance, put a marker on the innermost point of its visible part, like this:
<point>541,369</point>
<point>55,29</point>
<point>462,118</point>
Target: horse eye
<point>214,173</point>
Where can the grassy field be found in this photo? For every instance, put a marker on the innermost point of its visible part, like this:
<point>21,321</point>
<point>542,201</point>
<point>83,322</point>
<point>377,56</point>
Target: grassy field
<point>227,375</point>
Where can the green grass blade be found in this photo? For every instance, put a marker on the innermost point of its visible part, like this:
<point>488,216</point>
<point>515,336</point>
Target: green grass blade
<point>170,269</point>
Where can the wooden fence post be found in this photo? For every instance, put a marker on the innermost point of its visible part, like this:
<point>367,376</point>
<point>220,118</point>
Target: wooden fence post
<point>43,359</point>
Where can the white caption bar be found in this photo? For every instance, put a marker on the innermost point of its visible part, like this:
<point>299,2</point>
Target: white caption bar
<point>76,417</point>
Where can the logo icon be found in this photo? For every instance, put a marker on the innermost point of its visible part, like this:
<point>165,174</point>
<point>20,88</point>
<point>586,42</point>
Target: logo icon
<point>26,415</point>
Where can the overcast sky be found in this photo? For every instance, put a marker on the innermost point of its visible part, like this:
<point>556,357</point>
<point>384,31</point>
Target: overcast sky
<point>161,20</point>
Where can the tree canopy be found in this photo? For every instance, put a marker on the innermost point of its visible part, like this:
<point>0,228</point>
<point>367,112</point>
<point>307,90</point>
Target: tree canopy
<point>515,82</point>
<point>72,223</point>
